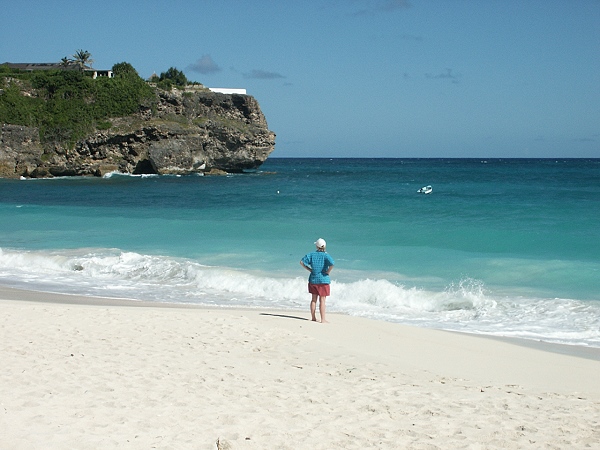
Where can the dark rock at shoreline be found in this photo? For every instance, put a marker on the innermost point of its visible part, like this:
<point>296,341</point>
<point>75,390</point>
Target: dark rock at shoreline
<point>194,131</point>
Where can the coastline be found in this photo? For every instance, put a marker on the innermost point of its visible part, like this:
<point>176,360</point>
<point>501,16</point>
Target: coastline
<point>7,293</point>
<point>102,373</point>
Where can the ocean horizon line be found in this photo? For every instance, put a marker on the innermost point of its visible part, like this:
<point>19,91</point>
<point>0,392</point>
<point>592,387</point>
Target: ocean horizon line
<point>437,158</point>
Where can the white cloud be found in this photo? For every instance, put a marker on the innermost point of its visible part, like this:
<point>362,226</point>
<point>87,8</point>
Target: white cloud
<point>263,75</point>
<point>204,65</point>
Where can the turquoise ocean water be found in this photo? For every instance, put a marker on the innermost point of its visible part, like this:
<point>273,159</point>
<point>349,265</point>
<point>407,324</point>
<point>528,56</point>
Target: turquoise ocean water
<point>505,247</point>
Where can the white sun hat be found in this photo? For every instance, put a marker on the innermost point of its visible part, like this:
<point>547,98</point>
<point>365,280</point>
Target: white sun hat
<point>321,243</point>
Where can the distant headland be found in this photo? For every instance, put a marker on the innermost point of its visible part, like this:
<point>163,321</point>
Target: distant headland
<point>68,119</point>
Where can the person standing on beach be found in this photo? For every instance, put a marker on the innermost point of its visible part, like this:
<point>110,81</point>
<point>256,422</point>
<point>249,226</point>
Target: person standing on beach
<point>319,263</point>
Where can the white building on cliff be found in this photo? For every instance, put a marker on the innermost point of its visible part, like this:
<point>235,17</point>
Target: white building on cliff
<point>228,91</point>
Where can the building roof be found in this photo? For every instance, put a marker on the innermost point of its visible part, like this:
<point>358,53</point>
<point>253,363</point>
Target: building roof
<point>71,65</point>
<point>43,66</point>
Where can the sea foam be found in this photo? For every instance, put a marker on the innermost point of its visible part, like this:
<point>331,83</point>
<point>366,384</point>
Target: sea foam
<point>462,306</point>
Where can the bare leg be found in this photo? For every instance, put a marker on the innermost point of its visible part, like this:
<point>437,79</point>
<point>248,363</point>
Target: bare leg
<point>313,307</point>
<point>322,308</point>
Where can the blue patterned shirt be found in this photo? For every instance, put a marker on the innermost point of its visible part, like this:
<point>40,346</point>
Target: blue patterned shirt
<point>319,263</point>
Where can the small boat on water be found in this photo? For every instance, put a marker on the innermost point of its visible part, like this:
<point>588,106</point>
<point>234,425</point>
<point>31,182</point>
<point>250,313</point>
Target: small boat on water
<point>425,190</point>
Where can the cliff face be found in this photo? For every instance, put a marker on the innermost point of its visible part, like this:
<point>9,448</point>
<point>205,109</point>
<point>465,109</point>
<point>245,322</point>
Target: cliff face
<point>189,132</point>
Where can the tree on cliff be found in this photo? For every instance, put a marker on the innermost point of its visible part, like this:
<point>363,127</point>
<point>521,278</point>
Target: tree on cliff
<point>124,69</point>
<point>65,62</point>
<point>83,57</point>
<point>172,77</point>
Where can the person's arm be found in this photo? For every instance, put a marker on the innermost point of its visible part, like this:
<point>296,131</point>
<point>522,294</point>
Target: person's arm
<point>305,266</point>
<point>331,264</point>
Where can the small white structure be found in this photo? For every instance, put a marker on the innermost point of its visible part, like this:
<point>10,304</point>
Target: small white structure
<point>29,67</point>
<point>228,91</point>
<point>101,73</point>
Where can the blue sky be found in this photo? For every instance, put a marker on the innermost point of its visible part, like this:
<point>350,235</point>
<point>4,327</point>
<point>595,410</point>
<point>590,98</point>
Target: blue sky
<point>357,78</point>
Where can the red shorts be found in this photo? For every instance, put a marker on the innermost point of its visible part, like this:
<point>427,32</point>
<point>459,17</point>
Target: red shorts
<point>321,290</point>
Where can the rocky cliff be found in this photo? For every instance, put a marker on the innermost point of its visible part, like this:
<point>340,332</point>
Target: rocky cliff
<point>183,132</point>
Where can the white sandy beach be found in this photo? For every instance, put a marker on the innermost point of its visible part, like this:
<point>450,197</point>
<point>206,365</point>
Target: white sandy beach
<point>87,373</point>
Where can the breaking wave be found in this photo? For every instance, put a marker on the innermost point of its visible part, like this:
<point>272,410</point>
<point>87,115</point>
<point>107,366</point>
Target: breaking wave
<point>465,305</point>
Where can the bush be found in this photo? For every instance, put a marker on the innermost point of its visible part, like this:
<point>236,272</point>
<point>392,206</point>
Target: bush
<point>176,77</point>
<point>66,105</point>
<point>103,125</point>
<point>124,70</point>
<point>165,85</point>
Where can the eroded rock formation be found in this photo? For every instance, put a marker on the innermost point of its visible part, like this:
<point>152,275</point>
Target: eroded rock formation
<point>185,132</point>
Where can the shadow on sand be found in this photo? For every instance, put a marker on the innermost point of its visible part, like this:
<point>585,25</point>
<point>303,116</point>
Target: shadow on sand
<point>285,316</point>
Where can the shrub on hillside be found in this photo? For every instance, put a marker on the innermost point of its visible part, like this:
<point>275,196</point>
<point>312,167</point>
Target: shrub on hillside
<point>66,105</point>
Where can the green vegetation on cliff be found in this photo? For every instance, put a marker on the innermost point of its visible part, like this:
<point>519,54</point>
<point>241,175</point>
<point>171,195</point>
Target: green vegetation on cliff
<point>66,105</point>
<point>170,78</point>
